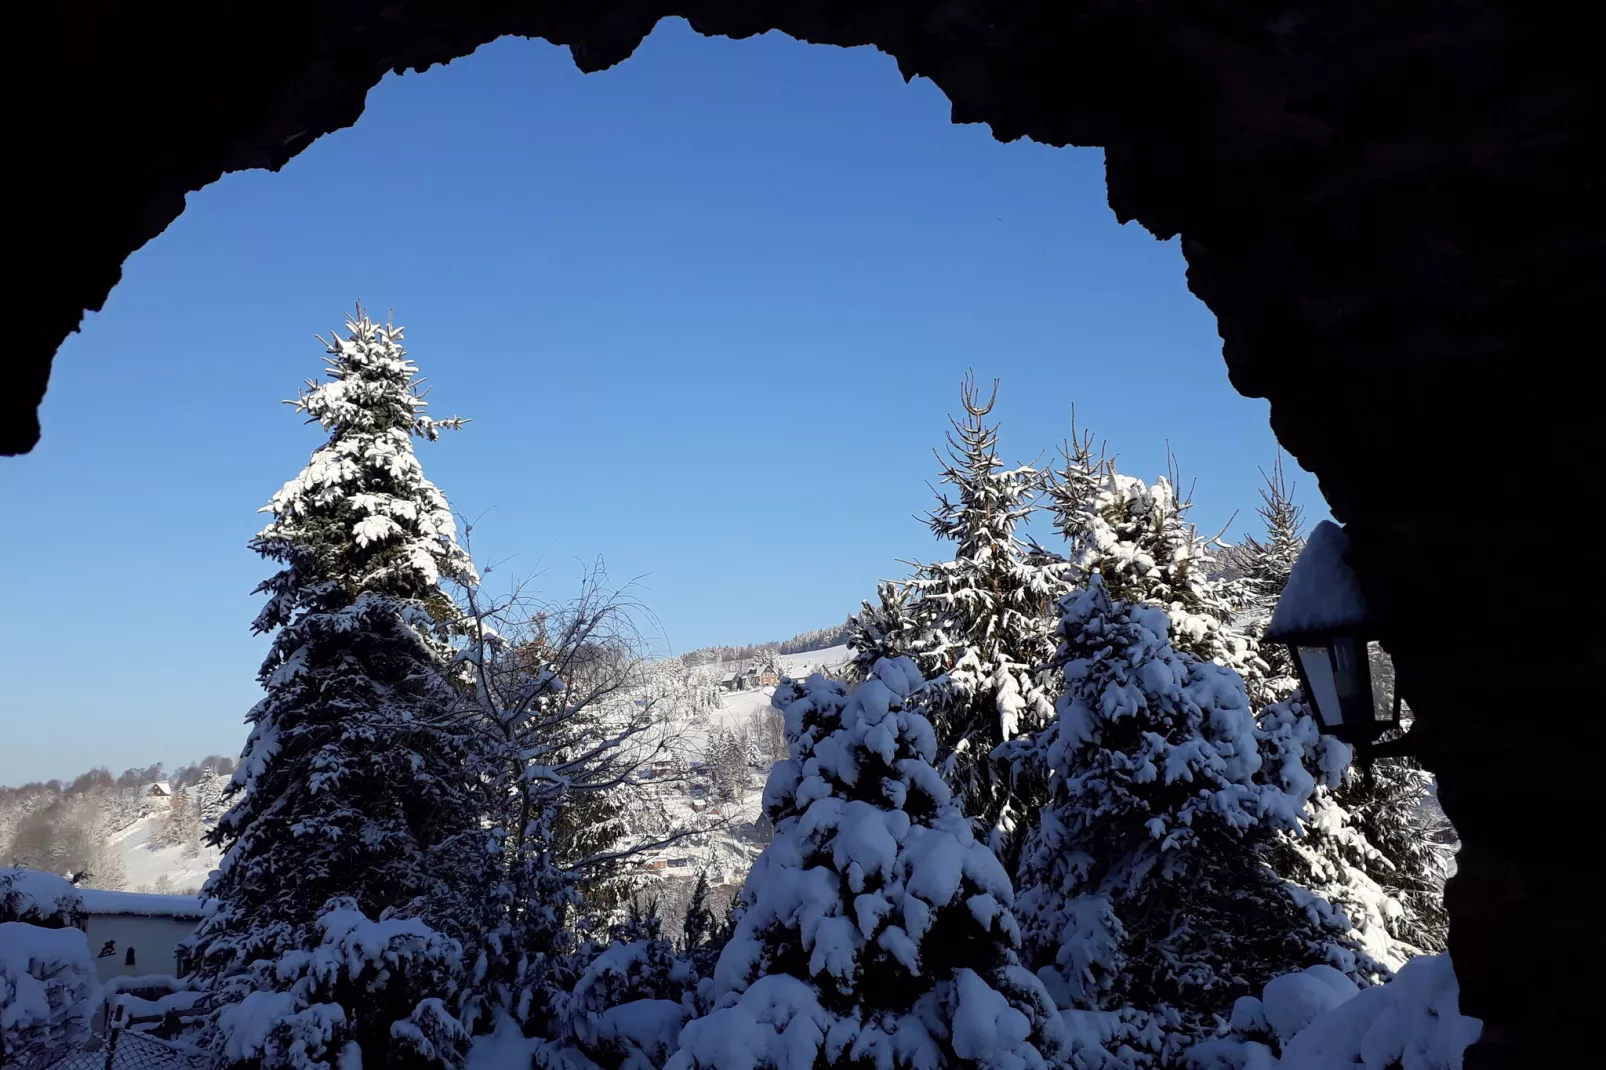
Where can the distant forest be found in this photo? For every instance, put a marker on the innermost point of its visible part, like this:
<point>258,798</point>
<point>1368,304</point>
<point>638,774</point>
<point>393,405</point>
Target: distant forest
<point>802,643</point>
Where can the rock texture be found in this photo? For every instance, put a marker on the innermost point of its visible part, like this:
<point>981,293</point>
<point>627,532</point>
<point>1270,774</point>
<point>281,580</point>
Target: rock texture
<point>1390,207</point>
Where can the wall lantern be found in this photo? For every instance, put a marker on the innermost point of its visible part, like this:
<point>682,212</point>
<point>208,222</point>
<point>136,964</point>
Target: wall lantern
<point>1322,619</point>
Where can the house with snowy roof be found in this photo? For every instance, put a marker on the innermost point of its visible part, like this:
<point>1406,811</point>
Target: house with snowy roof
<point>160,790</point>
<point>136,933</point>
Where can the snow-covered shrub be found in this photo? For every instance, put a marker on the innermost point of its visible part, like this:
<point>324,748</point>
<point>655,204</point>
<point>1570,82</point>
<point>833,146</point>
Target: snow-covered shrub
<point>1318,1020</point>
<point>626,1010</point>
<point>874,929</point>
<point>39,898</point>
<point>48,988</point>
<point>357,992</point>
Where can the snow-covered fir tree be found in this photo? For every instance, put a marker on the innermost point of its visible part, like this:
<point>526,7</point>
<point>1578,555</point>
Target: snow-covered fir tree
<point>352,833</point>
<point>702,935</point>
<point>875,930</point>
<point>1137,538</point>
<point>1366,845</point>
<point>180,824</point>
<point>889,628</point>
<point>1262,565</point>
<point>209,801</point>
<point>1144,886</point>
<point>979,623</point>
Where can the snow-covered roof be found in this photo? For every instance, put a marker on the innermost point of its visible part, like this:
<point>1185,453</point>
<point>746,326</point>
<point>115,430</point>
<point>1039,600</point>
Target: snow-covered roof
<point>161,787</point>
<point>1323,592</point>
<point>99,901</point>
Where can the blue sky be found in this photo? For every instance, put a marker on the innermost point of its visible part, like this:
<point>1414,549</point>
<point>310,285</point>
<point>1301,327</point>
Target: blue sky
<point>707,312</point>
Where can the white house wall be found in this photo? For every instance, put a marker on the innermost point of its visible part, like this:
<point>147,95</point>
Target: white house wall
<point>155,941</point>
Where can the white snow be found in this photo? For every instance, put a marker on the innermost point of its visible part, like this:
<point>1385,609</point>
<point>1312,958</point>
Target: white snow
<point>143,904</point>
<point>35,896</point>
<point>1323,591</point>
<point>1291,1002</point>
<point>48,991</point>
<point>504,1048</point>
<point>145,864</point>
<point>1411,1023</point>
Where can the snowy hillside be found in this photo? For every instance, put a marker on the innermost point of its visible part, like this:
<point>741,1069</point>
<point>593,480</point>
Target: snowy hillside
<point>716,794</point>
<point>139,846</point>
<point>175,868</point>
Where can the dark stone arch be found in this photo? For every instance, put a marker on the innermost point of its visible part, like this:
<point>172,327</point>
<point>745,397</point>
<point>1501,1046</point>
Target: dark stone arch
<point>1389,207</point>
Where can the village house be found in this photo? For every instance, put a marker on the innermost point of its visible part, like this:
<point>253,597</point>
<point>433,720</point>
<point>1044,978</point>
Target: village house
<point>134,933</point>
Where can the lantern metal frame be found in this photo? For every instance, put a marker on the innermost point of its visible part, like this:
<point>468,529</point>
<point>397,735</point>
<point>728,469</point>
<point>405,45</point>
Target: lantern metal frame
<point>1335,674</point>
<point>1328,633</point>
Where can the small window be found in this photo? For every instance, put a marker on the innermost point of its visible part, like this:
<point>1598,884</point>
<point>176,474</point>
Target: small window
<point>128,959</point>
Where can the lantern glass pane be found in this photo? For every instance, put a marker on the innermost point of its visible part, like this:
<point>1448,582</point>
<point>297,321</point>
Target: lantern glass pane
<point>1346,668</point>
<point>1317,661</point>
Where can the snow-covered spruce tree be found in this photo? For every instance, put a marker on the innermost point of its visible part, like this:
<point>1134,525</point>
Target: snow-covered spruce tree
<point>352,835</point>
<point>891,628</point>
<point>875,931</point>
<point>1367,843</point>
<point>1264,563</point>
<point>1137,538</point>
<point>180,825</point>
<point>986,623</point>
<point>702,934</point>
<point>1144,885</point>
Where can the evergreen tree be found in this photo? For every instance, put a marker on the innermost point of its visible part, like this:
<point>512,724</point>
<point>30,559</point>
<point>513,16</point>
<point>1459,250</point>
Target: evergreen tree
<point>701,935</point>
<point>981,622</point>
<point>180,825</point>
<point>209,802</point>
<point>1265,563</point>
<point>889,629</point>
<point>1136,537</point>
<point>1364,845</point>
<point>875,931</point>
<point>1143,886</point>
<point>351,834</point>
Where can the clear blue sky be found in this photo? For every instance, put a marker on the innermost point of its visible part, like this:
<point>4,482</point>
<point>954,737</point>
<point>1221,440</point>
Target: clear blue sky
<point>706,310</point>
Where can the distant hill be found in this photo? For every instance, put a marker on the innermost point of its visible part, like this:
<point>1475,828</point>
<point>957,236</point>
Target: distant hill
<point>802,643</point>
